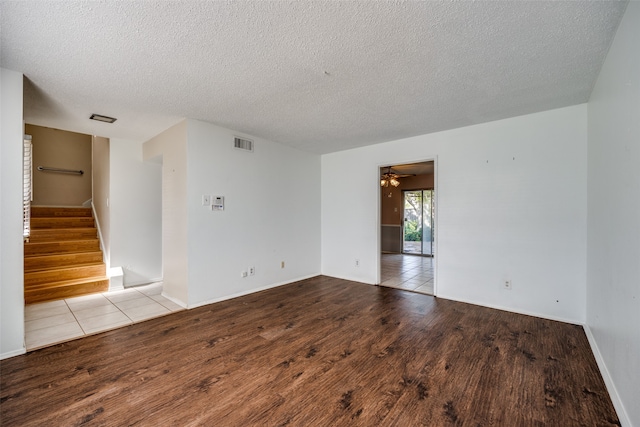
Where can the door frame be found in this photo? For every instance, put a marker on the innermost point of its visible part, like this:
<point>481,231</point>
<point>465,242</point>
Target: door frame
<point>436,196</point>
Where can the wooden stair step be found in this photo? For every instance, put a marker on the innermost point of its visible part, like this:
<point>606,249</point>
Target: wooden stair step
<point>46,211</point>
<point>61,222</point>
<point>66,289</point>
<point>42,262</point>
<point>52,234</point>
<point>66,246</point>
<point>77,280</point>
<point>42,277</point>
<point>62,258</point>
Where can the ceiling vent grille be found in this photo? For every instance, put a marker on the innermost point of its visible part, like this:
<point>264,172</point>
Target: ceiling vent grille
<point>243,144</point>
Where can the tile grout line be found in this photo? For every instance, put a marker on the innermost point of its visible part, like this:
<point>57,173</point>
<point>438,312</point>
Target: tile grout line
<point>150,302</point>
<point>74,316</point>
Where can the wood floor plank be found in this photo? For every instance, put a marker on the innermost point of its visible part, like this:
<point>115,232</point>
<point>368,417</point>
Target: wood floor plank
<point>319,352</point>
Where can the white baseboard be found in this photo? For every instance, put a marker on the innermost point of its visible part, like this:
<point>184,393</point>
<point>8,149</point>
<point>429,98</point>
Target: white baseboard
<point>497,307</point>
<point>351,279</point>
<point>142,282</point>
<point>13,353</point>
<point>514,310</point>
<point>177,301</point>
<point>250,291</point>
<point>625,421</point>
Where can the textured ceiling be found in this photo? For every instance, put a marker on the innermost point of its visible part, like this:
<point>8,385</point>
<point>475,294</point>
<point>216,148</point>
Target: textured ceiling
<point>322,76</point>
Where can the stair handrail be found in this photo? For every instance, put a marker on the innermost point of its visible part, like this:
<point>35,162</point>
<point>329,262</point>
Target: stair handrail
<point>60,170</point>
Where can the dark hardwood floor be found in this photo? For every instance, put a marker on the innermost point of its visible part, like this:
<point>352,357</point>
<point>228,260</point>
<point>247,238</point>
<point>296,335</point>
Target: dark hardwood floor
<point>321,352</point>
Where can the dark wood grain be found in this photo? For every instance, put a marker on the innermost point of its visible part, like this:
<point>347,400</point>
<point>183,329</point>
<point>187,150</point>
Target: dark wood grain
<point>321,352</point>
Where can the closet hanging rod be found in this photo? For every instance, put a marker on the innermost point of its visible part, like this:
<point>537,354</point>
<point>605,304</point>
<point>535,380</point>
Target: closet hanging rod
<point>58,170</point>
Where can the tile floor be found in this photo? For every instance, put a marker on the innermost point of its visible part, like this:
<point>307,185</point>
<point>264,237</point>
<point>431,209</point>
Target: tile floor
<point>408,272</point>
<point>53,322</point>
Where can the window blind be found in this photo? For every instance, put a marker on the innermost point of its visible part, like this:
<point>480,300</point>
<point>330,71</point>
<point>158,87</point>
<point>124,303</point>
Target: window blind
<point>27,186</point>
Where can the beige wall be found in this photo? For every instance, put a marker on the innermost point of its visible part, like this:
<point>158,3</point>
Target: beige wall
<point>60,149</point>
<point>101,188</point>
<point>391,197</point>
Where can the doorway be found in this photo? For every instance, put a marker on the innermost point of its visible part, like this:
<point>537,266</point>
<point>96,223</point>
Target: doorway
<point>408,227</point>
<point>417,229</point>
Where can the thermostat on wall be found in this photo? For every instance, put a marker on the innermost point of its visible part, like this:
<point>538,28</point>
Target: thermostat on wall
<point>217,203</point>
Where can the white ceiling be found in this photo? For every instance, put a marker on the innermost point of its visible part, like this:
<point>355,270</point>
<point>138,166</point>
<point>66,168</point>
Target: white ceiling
<point>322,76</point>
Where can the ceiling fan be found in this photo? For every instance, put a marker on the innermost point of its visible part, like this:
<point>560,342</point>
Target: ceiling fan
<point>391,177</point>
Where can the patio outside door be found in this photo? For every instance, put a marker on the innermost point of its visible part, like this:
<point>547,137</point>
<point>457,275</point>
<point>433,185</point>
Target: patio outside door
<point>417,230</point>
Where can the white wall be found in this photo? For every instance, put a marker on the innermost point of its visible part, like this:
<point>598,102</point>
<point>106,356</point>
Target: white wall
<point>272,214</point>
<point>510,204</point>
<point>170,149</point>
<point>11,247</point>
<point>136,213</point>
<point>613,274</point>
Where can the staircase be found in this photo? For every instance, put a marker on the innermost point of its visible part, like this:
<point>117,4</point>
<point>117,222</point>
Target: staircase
<point>62,258</point>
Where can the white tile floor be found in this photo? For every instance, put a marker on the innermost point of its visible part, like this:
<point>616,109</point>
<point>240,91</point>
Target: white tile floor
<point>54,322</point>
<point>408,272</point>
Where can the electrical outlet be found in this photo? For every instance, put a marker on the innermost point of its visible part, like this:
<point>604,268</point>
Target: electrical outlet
<point>507,284</point>
<point>243,274</point>
<point>252,271</point>
<point>357,263</point>
<point>282,264</point>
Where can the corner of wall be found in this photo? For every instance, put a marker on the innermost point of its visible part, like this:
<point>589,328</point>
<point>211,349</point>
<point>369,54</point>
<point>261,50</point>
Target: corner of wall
<point>11,243</point>
<point>608,381</point>
<point>613,208</point>
<point>116,279</point>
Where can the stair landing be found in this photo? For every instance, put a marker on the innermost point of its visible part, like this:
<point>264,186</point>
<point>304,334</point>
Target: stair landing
<point>62,258</point>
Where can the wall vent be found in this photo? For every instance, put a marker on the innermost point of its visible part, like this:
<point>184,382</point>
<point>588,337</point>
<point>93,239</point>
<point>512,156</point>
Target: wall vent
<point>243,144</point>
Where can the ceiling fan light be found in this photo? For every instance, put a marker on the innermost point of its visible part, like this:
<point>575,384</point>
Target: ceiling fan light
<point>394,182</point>
<point>384,182</point>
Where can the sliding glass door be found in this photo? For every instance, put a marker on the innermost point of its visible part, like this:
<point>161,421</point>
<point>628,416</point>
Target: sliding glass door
<point>427,222</point>
<point>418,222</point>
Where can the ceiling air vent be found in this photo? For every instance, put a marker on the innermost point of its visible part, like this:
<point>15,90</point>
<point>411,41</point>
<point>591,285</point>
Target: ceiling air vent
<point>243,144</point>
<point>102,118</point>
